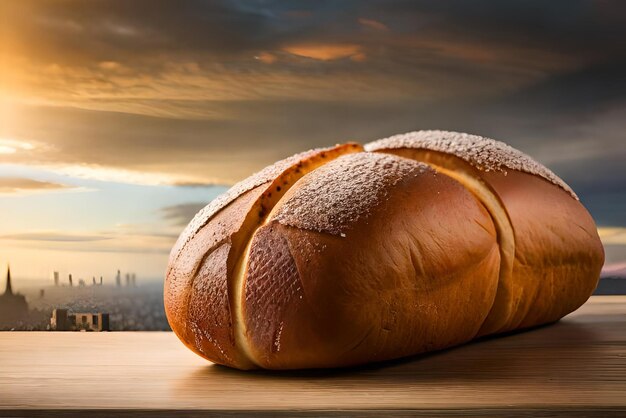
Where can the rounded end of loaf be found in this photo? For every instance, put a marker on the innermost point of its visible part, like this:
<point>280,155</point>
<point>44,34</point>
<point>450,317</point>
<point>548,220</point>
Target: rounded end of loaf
<point>549,243</point>
<point>201,284</point>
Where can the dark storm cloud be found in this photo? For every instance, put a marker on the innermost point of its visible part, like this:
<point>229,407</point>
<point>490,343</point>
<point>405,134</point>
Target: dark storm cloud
<point>135,30</point>
<point>576,124</point>
<point>124,50</point>
<point>577,26</point>
<point>119,29</point>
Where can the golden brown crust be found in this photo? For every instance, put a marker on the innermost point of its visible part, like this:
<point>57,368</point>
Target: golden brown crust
<point>199,291</point>
<point>339,257</point>
<point>557,252</point>
<point>266,175</point>
<point>199,276</point>
<point>398,276</point>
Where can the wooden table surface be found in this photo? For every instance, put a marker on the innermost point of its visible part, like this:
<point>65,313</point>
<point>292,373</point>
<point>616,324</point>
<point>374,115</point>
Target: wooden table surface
<point>576,367</point>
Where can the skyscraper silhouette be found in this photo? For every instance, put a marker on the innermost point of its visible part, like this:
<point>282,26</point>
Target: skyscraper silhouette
<point>13,306</point>
<point>9,288</point>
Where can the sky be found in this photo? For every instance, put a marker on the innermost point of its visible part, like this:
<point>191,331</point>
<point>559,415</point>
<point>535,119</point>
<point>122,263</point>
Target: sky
<point>119,120</point>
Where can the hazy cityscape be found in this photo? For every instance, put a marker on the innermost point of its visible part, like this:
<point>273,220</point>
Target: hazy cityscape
<point>121,303</point>
<point>125,303</point>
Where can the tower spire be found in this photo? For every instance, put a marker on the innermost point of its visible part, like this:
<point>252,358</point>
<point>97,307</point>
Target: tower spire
<point>9,289</point>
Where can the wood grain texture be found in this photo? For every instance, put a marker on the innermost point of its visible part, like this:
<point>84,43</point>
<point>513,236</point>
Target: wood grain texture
<point>576,367</point>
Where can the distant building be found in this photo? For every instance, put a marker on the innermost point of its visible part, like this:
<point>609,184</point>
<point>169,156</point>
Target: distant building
<point>63,320</point>
<point>13,306</point>
<point>118,279</point>
<point>56,278</point>
<point>71,282</point>
<point>60,320</point>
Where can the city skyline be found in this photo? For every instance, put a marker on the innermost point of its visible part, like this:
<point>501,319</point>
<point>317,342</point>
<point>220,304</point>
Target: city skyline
<point>119,120</point>
<point>83,306</point>
<point>68,279</point>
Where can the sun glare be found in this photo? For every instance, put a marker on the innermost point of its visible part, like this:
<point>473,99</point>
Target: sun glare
<point>5,149</point>
<point>11,146</point>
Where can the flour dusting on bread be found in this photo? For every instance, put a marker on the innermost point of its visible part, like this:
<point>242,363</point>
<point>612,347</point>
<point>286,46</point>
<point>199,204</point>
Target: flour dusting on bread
<point>265,175</point>
<point>483,153</point>
<point>343,192</point>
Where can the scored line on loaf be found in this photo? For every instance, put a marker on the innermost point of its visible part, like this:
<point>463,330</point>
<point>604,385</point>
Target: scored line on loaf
<point>198,275</point>
<point>256,217</point>
<point>467,158</point>
<point>500,312</point>
<point>265,175</point>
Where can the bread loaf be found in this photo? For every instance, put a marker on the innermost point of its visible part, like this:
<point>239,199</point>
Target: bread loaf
<point>349,255</point>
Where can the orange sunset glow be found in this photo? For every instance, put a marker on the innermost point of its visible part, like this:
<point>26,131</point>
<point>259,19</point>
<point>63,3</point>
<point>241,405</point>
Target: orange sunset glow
<point>120,120</point>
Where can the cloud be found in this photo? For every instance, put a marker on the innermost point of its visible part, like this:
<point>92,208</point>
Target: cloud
<point>12,146</point>
<point>15,185</point>
<point>163,60</point>
<point>325,52</point>
<point>614,253</point>
<point>372,24</point>
<point>211,92</point>
<point>54,236</point>
<point>193,184</point>
<point>181,214</point>
<point>120,175</point>
<point>113,241</point>
<point>583,28</point>
<point>266,57</point>
<point>117,28</point>
<point>613,236</point>
<point>563,133</point>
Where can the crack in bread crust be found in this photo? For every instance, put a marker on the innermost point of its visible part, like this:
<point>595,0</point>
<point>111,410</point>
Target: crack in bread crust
<point>256,217</point>
<point>501,310</point>
<point>268,174</point>
<point>373,243</point>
